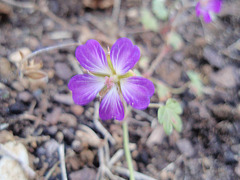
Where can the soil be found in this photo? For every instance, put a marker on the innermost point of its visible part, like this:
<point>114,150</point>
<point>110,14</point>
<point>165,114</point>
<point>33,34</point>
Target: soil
<point>40,113</point>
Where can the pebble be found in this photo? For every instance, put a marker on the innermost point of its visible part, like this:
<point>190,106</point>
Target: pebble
<point>17,86</point>
<point>225,78</point>
<point>63,71</point>
<point>77,110</point>
<point>17,108</point>
<point>213,57</point>
<point>68,119</point>
<point>185,146</point>
<point>83,174</point>
<point>53,117</point>
<point>156,137</point>
<point>64,99</point>
<point>5,70</point>
<point>76,145</point>
<point>51,147</point>
<point>25,96</point>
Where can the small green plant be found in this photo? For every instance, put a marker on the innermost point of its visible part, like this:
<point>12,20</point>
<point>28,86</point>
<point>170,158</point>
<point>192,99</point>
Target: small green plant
<point>196,85</point>
<point>159,9</point>
<point>169,116</point>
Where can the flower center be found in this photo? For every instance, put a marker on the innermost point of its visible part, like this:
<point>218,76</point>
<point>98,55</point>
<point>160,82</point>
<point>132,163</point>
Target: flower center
<point>109,81</point>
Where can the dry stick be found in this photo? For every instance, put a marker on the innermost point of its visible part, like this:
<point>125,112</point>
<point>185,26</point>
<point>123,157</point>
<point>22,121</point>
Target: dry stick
<point>47,49</point>
<point>137,175</point>
<point>25,167</point>
<point>27,5</point>
<point>159,58</point>
<point>116,10</point>
<point>62,162</point>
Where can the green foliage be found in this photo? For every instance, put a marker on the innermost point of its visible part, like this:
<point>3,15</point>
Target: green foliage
<point>175,40</point>
<point>168,115</point>
<point>148,20</point>
<point>196,84</point>
<point>159,9</point>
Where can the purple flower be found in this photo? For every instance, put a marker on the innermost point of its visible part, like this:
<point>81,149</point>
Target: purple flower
<point>207,7</point>
<point>109,75</point>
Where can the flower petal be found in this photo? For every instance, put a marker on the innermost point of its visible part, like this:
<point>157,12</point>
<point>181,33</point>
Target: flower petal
<point>207,18</point>
<point>91,56</point>
<point>198,9</point>
<point>111,106</point>
<point>215,5</point>
<point>137,91</point>
<point>85,88</point>
<point>124,55</point>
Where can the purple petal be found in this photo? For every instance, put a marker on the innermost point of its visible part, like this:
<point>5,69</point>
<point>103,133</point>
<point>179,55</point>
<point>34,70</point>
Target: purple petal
<point>137,91</point>
<point>215,5</point>
<point>207,18</point>
<point>111,106</point>
<point>198,9</point>
<point>85,88</point>
<point>91,56</point>
<point>124,55</point>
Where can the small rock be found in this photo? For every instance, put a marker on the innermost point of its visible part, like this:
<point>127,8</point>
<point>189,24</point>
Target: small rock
<point>25,96</point>
<point>225,78</point>
<point>156,137</point>
<point>17,108</point>
<point>68,119</point>
<point>53,117</point>
<point>11,169</point>
<point>63,71</point>
<point>77,110</point>
<point>185,146</point>
<point>237,169</point>
<point>76,145</point>
<point>74,162</point>
<point>51,147</point>
<point>6,70</point>
<point>68,135</point>
<point>18,86</point>
<point>52,130</point>
<point>83,174</point>
<point>64,99</point>
<point>213,57</point>
<point>87,157</point>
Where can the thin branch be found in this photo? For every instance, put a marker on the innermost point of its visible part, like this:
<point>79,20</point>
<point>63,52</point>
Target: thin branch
<point>165,49</point>
<point>137,175</point>
<point>116,10</point>
<point>62,162</point>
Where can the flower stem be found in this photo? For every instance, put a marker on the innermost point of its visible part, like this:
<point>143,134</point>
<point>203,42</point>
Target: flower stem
<point>155,105</point>
<point>127,150</point>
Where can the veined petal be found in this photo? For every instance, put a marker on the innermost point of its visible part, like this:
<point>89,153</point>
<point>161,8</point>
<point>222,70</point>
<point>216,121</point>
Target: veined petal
<point>207,18</point>
<point>137,91</point>
<point>215,5</point>
<point>111,106</point>
<point>91,56</point>
<point>85,87</point>
<point>124,55</point>
<point>198,9</point>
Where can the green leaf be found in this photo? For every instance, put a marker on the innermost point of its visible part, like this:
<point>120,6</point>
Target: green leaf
<point>148,20</point>
<point>162,115</point>
<point>168,128</point>
<point>177,122</point>
<point>196,84</point>
<point>168,115</point>
<point>175,40</point>
<point>159,9</point>
<point>174,106</point>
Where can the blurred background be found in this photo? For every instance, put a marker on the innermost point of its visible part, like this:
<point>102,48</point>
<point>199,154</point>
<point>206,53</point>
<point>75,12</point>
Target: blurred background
<point>191,61</point>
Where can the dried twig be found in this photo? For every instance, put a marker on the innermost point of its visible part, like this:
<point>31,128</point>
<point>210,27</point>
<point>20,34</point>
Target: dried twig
<point>62,162</point>
<point>165,49</point>
<point>29,171</point>
<point>74,64</point>
<point>116,10</point>
<point>137,175</point>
